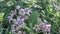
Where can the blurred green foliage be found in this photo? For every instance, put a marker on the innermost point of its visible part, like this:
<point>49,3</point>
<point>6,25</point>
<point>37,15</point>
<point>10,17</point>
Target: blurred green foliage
<point>44,8</point>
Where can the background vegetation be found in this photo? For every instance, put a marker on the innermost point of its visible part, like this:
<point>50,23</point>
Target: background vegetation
<point>47,9</point>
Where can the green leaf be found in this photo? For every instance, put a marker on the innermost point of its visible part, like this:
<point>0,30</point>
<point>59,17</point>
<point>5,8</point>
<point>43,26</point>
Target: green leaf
<point>33,18</point>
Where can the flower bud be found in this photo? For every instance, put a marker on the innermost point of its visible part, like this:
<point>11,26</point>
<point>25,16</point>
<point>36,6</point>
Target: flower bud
<point>19,32</point>
<point>17,7</point>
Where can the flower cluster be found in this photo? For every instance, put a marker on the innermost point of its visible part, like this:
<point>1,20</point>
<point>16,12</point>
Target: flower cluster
<point>44,27</point>
<point>18,22</point>
<point>19,15</point>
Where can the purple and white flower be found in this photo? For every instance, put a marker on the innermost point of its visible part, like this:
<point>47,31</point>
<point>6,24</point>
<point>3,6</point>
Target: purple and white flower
<point>13,12</point>
<point>48,26</point>
<point>10,18</point>
<point>27,11</point>
<point>15,21</point>
<point>12,29</point>
<point>20,20</point>
<point>21,12</point>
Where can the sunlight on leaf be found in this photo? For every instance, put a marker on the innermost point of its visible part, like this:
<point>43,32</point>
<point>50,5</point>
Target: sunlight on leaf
<point>56,14</point>
<point>1,16</point>
<point>1,0</point>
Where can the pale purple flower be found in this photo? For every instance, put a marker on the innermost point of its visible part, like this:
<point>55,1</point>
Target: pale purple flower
<point>46,30</point>
<point>13,12</point>
<point>48,27</point>
<point>27,11</point>
<point>17,7</point>
<point>57,7</point>
<point>21,12</point>
<point>42,25</point>
<point>13,32</point>
<point>15,21</point>
<point>12,29</point>
<point>20,20</point>
<point>10,18</point>
<point>17,28</point>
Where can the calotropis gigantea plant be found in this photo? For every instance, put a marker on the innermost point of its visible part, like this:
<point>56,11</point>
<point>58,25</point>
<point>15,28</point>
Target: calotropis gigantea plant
<point>18,22</point>
<point>18,17</point>
<point>42,27</point>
